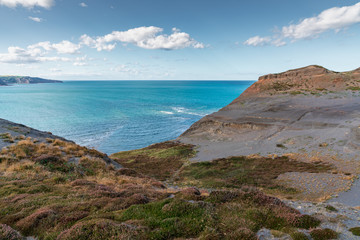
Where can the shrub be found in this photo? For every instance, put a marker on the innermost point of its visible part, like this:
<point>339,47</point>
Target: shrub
<point>331,208</point>
<point>323,234</point>
<point>306,221</point>
<point>222,196</point>
<point>241,233</point>
<point>298,236</point>
<point>355,231</point>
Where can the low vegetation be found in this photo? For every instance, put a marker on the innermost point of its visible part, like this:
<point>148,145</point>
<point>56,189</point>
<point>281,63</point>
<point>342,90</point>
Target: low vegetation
<point>46,188</point>
<point>355,231</point>
<point>59,190</point>
<point>323,234</point>
<point>353,88</point>
<point>159,161</point>
<point>236,172</point>
<point>331,208</point>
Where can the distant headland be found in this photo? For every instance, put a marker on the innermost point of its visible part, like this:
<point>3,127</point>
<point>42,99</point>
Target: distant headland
<point>9,80</point>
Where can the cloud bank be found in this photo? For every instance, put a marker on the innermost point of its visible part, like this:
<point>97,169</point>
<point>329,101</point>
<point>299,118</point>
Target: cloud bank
<point>143,37</point>
<point>28,3</point>
<point>336,19</point>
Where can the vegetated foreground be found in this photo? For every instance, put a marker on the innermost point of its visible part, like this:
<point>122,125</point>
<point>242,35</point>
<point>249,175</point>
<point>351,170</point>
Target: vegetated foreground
<point>59,190</point>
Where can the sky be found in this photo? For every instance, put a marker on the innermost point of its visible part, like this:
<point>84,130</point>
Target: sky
<point>175,40</point>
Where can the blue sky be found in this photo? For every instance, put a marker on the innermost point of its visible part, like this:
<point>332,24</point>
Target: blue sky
<point>180,40</point>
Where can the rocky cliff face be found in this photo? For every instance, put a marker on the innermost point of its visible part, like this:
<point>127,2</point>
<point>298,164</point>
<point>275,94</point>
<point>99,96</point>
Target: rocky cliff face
<point>6,80</point>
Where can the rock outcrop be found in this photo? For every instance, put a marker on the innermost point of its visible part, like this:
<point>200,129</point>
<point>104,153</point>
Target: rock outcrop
<point>12,133</point>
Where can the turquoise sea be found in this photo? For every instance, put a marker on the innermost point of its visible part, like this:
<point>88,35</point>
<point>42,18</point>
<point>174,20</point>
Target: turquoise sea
<point>112,116</point>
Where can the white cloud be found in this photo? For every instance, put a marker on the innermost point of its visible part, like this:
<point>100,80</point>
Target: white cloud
<point>35,19</point>
<point>99,45</point>
<point>39,52</point>
<point>66,47</point>
<point>278,42</point>
<point>18,55</point>
<point>257,41</point>
<point>80,64</point>
<point>27,3</point>
<point>31,55</point>
<point>82,61</point>
<point>336,19</point>
<point>83,4</point>
<point>63,47</point>
<point>331,19</point>
<point>144,37</point>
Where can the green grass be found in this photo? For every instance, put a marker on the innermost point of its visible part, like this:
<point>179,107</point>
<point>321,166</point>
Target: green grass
<point>169,218</point>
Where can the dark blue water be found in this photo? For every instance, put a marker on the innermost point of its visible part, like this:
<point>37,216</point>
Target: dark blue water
<point>112,116</point>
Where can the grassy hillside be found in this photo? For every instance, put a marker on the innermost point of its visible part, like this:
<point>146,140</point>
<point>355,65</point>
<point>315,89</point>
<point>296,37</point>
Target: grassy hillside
<point>59,190</point>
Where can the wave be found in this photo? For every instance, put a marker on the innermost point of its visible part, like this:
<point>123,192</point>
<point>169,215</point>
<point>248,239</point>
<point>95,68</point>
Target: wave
<point>95,138</point>
<point>167,112</point>
<point>187,111</point>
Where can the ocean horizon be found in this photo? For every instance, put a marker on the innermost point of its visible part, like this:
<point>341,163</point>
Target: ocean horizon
<point>116,115</point>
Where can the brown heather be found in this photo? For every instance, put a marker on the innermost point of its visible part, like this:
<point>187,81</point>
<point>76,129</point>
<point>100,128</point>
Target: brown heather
<point>59,190</point>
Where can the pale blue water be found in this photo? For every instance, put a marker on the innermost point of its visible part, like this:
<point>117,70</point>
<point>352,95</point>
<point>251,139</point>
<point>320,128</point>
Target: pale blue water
<point>112,116</point>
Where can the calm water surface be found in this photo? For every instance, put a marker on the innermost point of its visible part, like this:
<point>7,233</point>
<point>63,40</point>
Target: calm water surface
<point>112,116</point>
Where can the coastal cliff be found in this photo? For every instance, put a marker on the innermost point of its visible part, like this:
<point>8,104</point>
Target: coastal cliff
<point>8,80</point>
<point>309,114</point>
<point>297,104</point>
<point>267,166</point>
